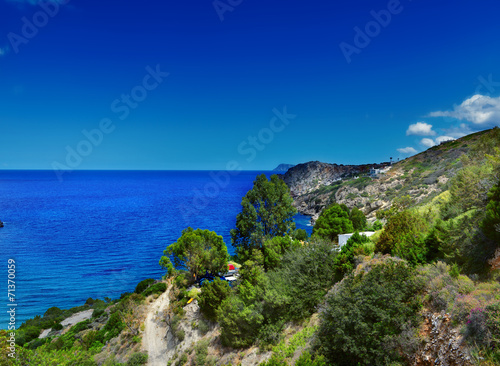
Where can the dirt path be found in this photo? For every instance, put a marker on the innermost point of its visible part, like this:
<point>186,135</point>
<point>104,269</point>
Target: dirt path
<point>155,330</point>
<point>77,318</point>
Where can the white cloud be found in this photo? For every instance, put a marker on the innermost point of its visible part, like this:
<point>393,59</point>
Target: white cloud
<point>427,142</point>
<point>479,109</point>
<point>420,129</point>
<point>459,131</point>
<point>407,150</point>
<point>443,139</point>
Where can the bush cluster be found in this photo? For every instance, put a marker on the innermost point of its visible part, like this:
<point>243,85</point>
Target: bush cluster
<point>368,331</point>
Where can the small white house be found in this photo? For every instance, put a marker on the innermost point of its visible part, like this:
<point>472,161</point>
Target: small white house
<point>344,237</point>
<point>374,173</point>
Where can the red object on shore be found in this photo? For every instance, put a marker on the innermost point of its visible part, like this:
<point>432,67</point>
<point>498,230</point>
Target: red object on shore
<point>230,266</point>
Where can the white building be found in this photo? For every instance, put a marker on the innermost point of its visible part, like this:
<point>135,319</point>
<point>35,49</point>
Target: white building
<point>344,237</point>
<point>376,172</point>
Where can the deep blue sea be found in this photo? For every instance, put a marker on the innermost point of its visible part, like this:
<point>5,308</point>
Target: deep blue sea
<point>98,233</point>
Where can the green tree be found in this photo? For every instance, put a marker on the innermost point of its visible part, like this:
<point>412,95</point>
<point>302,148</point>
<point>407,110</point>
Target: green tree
<point>300,283</point>
<point>300,234</point>
<point>468,190</point>
<point>491,223</point>
<point>198,250</point>
<point>358,219</point>
<point>377,225</point>
<point>404,236</point>
<point>241,315</point>
<point>354,332</point>
<point>344,262</point>
<point>267,211</point>
<point>274,248</point>
<point>211,296</point>
<point>143,285</point>
<point>398,204</point>
<point>332,222</point>
<point>344,207</point>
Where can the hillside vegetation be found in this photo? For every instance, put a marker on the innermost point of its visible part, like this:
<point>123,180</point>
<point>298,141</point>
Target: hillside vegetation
<point>423,290</point>
<point>422,177</point>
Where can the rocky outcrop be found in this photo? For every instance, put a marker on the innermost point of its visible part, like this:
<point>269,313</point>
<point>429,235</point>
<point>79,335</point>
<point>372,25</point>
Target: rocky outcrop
<point>442,345</point>
<point>307,177</point>
<point>315,185</point>
<point>369,196</point>
<point>1,224</point>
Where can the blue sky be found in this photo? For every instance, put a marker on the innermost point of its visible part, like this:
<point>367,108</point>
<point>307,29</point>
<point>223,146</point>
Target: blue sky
<point>427,71</point>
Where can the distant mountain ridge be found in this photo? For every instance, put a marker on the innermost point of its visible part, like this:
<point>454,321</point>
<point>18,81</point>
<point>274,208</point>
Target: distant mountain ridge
<point>283,167</point>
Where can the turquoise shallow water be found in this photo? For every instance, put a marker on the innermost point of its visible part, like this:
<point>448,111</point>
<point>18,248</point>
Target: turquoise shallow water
<point>98,233</point>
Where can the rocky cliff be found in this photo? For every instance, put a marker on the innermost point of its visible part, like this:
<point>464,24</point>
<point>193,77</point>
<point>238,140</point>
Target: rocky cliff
<point>442,343</point>
<point>315,185</point>
<point>307,177</point>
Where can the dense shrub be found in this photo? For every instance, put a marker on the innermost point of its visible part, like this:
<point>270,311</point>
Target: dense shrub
<point>264,301</point>
<point>367,331</point>
<point>144,284</point>
<point>78,327</point>
<point>283,353</point>
<point>460,241</point>
<point>445,291</point>
<point>201,352</point>
<point>469,190</point>
<point>491,222</point>
<point>344,261</point>
<point>97,313</point>
<point>273,249</point>
<point>203,327</point>
<point>180,334</point>
<point>403,236</point>
<point>53,312</point>
<point>240,323</point>
<point>306,359</point>
<point>211,296</point>
<point>183,279</point>
<point>300,284</point>
<point>377,225</point>
<point>155,289</point>
<point>112,329</point>
<point>300,234</point>
<point>44,356</point>
<point>137,359</point>
<point>332,222</point>
<point>358,219</point>
<point>241,314</point>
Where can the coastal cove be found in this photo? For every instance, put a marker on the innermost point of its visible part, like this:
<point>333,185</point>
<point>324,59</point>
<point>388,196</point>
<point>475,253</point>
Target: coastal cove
<point>98,233</point>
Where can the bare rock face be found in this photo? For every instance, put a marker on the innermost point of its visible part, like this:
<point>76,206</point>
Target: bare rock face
<point>495,261</point>
<point>315,185</point>
<point>307,177</point>
<point>443,345</point>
